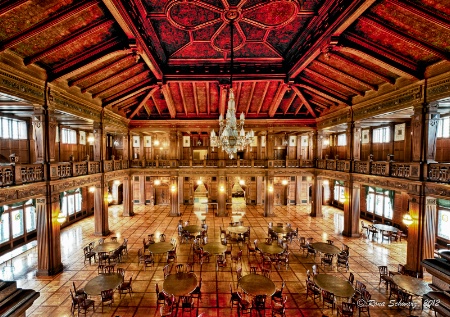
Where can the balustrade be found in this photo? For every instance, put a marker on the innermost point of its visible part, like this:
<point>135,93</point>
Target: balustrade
<point>439,172</point>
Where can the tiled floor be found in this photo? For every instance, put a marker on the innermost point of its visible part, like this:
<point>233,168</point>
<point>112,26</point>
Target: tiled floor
<point>365,255</point>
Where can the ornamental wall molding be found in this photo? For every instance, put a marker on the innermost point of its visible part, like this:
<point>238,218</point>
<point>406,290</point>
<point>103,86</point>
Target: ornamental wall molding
<point>438,89</point>
<point>21,87</point>
<point>76,182</point>
<point>408,186</point>
<point>116,175</point>
<point>437,190</point>
<point>13,195</point>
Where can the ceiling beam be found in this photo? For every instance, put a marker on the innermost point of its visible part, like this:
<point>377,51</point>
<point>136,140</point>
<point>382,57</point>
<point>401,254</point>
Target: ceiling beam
<point>331,92</point>
<point>156,105</point>
<point>9,5</point>
<point>282,88</point>
<point>331,80</point>
<point>263,98</point>
<point>290,101</point>
<point>349,77</point>
<point>402,36</point>
<point>237,95</point>
<point>101,70</point>
<point>76,36</point>
<point>381,57</point>
<point>423,12</point>
<point>324,94</point>
<point>359,67</point>
<point>111,78</point>
<point>50,22</point>
<point>304,101</point>
<point>169,100</point>
<point>124,95</point>
<point>81,59</point>
<point>15,103</point>
<point>331,20</point>
<point>142,103</point>
<point>128,25</point>
<point>72,72</point>
<point>180,86</point>
<point>252,92</point>
<point>208,99</point>
<point>194,91</point>
<point>123,82</point>
<point>223,89</point>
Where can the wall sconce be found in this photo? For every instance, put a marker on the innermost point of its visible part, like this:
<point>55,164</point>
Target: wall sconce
<point>173,188</point>
<point>407,219</point>
<point>284,182</point>
<point>199,182</point>
<point>222,188</point>
<point>241,182</point>
<point>92,189</point>
<point>156,142</point>
<point>117,182</point>
<point>270,189</point>
<point>157,182</point>
<point>90,138</point>
<point>61,217</point>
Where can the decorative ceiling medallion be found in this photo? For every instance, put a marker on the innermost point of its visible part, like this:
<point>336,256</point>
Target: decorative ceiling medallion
<point>196,15</point>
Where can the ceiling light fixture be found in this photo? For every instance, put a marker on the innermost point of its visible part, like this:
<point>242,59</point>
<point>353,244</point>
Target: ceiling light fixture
<point>232,136</point>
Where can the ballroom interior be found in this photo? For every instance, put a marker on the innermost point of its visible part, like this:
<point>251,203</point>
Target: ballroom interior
<point>125,118</point>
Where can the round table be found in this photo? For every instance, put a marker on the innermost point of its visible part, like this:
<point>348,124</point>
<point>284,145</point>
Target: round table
<point>383,227</point>
<point>103,282</point>
<point>238,229</point>
<point>192,229</point>
<point>215,247</point>
<point>180,284</point>
<point>255,284</point>
<point>160,247</point>
<point>270,248</point>
<point>323,247</point>
<point>336,285</point>
<point>106,247</point>
<point>282,230</point>
<point>411,284</point>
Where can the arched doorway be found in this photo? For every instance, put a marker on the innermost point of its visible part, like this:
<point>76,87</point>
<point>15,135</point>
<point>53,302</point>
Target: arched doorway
<point>162,196</point>
<point>200,193</point>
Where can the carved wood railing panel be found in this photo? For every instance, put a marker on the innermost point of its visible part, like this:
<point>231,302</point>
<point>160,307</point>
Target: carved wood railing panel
<point>330,165</point>
<point>279,163</point>
<point>439,172</point>
<point>6,175</point>
<point>322,164</point>
<point>361,167</point>
<point>379,168</point>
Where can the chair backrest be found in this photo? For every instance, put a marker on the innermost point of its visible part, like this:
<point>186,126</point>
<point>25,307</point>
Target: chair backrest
<point>327,295</point>
<point>308,275</point>
<point>157,289</point>
<point>107,294</point>
<point>180,268</point>
<point>383,269</point>
<point>109,269</point>
<point>121,271</point>
<point>351,278</point>
<point>401,268</point>
<point>348,307</point>
<point>360,286</point>
<point>330,242</point>
<point>101,240</point>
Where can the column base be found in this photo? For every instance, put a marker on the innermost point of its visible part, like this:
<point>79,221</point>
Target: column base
<point>102,234</point>
<point>50,272</point>
<point>269,214</point>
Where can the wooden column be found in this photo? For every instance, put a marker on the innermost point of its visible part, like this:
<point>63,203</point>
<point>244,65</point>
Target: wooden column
<point>268,197</point>
<point>424,125</point>
<point>174,203</point>
<point>44,126</point>
<point>222,196</point>
<point>127,197</point>
<point>351,210</point>
<point>316,208</point>
<point>49,235</point>
<point>298,190</point>
<point>101,224</point>
<point>421,233</point>
<point>259,190</point>
<point>99,142</point>
<point>357,142</point>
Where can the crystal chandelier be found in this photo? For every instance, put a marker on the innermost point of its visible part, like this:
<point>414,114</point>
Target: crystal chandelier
<point>232,136</point>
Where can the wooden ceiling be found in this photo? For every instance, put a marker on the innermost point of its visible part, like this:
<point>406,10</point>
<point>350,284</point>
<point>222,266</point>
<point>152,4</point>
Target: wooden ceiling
<point>162,60</point>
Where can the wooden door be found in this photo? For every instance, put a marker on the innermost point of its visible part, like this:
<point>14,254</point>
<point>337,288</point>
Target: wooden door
<point>162,195</point>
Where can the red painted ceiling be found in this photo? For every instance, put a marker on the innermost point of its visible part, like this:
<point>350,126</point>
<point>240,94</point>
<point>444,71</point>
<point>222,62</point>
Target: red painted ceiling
<point>151,59</point>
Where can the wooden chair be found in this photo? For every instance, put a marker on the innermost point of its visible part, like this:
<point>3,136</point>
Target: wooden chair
<point>364,227</point>
<point>237,257</point>
<point>75,301</point>
<point>197,292</point>
<point>235,297</point>
<point>88,254</point>
<point>351,278</point>
<point>346,309</point>
<point>166,270</point>
<point>327,259</point>
<point>278,295</point>
<point>405,298</point>
<point>279,309</point>
<point>103,257</point>
<point>160,296</point>
<point>250,250</point>
<point>312,289</point>
<point>101,240</point>
<point>149,261</point>
<point>109,269</point>
<point>107,297</point>
<point>330,242</point>
<point>384,275</point>
<point>84,304</point>
<point>179,268</point>
<point>79,291</point>
<point>244,307</point>
<point>328,298</point>
<point>125,287</point>
<point>259,304</point>
<point>187,304</point>
<point>113,239</point>
<point>342,261</point>
<point>172,255</point>
<point>221,261</point>
<point>162,237</point>
<point>121,271</point>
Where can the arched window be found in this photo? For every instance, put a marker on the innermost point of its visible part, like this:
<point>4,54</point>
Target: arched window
<point>380,201</point>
